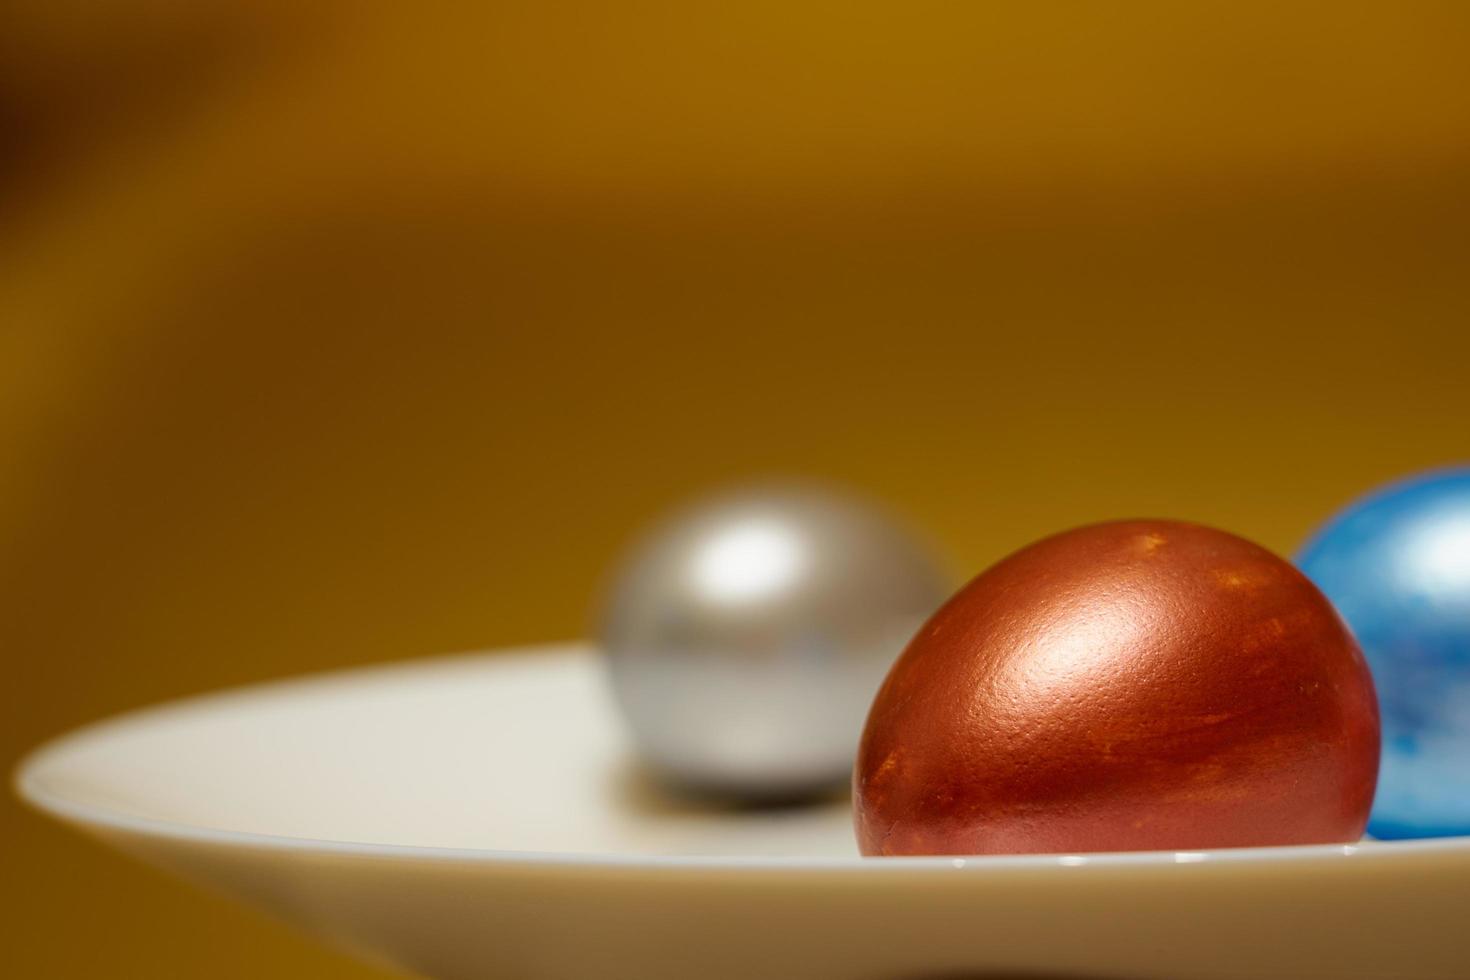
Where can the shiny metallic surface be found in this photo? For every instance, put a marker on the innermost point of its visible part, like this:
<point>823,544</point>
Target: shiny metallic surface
<point>1397,566</point>
<point>1141,685</point>
<point>746,637</point>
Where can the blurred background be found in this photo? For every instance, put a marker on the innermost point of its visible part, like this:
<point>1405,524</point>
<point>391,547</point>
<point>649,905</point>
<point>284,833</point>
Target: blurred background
<point>336,333</point>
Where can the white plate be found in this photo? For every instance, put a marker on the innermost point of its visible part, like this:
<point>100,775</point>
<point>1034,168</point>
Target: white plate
<point>481,816</point>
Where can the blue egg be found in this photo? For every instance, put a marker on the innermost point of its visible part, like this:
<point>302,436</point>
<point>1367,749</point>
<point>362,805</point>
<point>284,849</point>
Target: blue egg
<point>1397,566</point>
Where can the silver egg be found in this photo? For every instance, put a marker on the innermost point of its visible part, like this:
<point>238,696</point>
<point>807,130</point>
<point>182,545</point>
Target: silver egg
<point>746,637</point>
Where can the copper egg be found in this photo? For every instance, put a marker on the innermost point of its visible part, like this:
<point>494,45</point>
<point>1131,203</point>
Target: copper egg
<point>1140,685</point>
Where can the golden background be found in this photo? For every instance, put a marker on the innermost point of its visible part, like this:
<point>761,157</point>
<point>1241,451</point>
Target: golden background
<point>332,334</point>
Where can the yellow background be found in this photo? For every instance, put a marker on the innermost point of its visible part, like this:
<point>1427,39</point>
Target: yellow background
<point>331,336</point>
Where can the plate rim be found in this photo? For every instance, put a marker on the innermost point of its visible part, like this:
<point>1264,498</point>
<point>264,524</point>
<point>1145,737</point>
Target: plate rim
<point>28,784</point>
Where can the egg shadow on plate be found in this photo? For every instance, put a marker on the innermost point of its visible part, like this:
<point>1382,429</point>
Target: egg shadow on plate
<point>636,788</point>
